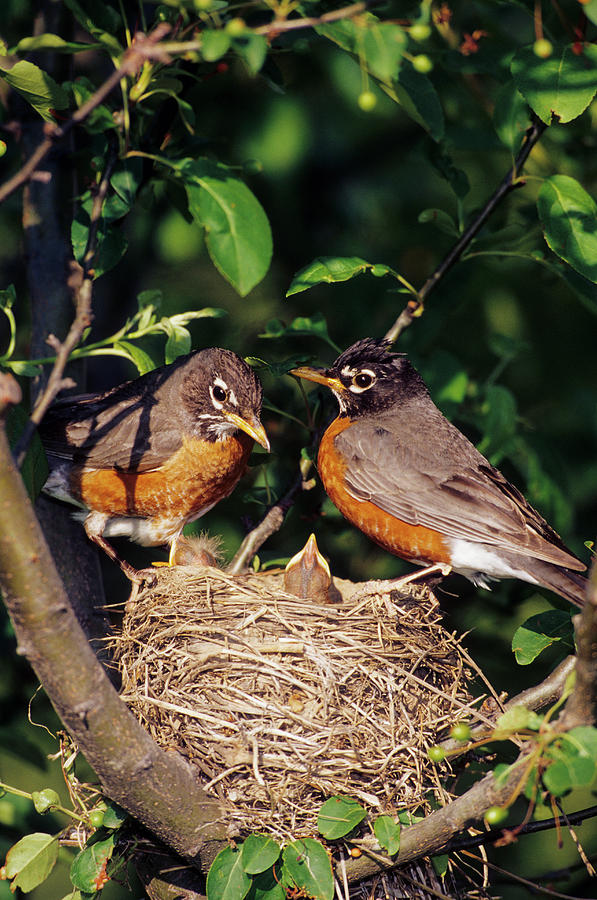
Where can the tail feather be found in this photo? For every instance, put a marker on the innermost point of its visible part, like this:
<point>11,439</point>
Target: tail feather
<point>568,584</point>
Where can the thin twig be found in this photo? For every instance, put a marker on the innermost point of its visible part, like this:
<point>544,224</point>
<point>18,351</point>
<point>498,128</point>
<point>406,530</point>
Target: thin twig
<point>132,60</point>
<point>56,382</point>
<point>489,837</point>
<point>536,888</point>
<point>414,307</point>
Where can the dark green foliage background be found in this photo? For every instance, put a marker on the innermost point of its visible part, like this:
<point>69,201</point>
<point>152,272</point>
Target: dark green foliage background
<point>336,181</point>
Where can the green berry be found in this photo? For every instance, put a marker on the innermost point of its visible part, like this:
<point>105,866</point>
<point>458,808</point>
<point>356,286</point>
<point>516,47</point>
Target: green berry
<point>460,732</point>
<point>420,32</point>
<point>543,48</point>
<point>96,818</point>
<point>495,815</point>
<point>2,148</point>
<point>202,5</point>
<point>436,754</point>
<point>236,27</point>
<point>422,63</point>
<point>367,101</point>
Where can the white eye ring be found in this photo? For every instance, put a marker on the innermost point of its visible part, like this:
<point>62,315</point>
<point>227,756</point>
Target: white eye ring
<point>218,392</point>
<point>367,379</point>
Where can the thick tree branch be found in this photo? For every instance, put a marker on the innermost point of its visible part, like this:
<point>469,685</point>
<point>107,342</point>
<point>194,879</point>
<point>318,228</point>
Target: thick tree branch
<point>414,307</point>
<point>160,789</point>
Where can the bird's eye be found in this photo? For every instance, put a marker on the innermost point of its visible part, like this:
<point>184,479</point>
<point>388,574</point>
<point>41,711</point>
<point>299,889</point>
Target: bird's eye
<point>363,380</point>
<point>219,394</point>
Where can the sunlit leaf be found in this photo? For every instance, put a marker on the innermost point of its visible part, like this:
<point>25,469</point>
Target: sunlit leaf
<point>569,219</point>
<point>539,632</point>
<point>48,41</point>
<point>139,357</point>
<point>338,816</point>
<point>259,853</point>
<point>36,87</point>
<point>226,879</point>
<point>510,116</point>
<point>387,832</point>
<point>214,44</point>
<point>328,269</point>
<point>30,861</point>
<point>238,234</point>
<point>252,48</point>
<point>417,95</point>
<point>309,867</point>
<point>382,46</point>
<point>562,85</point>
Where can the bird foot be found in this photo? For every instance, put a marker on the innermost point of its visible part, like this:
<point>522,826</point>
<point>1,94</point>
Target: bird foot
<point>442,569</point>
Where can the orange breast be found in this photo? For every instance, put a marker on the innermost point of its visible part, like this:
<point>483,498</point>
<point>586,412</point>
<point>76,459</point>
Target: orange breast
<point>200,474</point>
<point>412,542</point>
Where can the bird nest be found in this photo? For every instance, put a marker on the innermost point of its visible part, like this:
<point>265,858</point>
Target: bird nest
<point>281,703</point>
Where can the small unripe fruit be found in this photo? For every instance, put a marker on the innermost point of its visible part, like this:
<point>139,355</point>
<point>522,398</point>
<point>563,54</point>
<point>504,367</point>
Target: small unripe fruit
<point>2,148</point>
<point>422,63</point>
<point>96,818</point>
<point>543,48</point>
<point>419,32</point>
<point>495,815</point>
<point>202,5</point>
<point>460,732</point>
<point>436,754</point>
<point>236,26</point>
<point>367,101</point>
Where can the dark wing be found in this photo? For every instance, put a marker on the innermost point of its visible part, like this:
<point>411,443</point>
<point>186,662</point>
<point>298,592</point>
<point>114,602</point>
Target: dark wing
<point>123,428</point>
<point>456,491</point>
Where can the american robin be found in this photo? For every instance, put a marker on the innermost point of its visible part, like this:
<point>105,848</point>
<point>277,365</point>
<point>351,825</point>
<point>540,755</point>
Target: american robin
<point>308,575</point>
<point>150,455</point>
<point>411,481</point>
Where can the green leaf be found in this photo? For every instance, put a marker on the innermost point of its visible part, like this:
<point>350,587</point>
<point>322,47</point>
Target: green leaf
<point>238,234</point>
<point>266,887</point>
<point>179,340</point>
<point>111,241</point>
<point>8,297</point>
<point>114,816</point>
<point>100,119</point>
<point>309,867</point>
<point>441,220</point>
<point>562,85</point>
<point>91,862</point>
<point>328,269</point>
<point>338,816</point>
<point>99,19</point>
<point>564,774</point>
<point>22,367</point>
<point>539,632</point>
<point>590,10</point>
<point>226,879</point>
<point>126,179</point>
<point>36,87</point>
<point>382,46</point>
<point>584,738</point>
<point>214,44</point>
<point>514,720</point>
<point>252,48</point>
<point>45,800</point>
<point>49,41</point>
<point>259,853</point>
<point>510,116</point>
<point>417,96</point>
<point>142,360</point>
<point>315,326</point>
<point>443,163</point>
<point>387,833</point>
<point>30,861</point>
<point>569,219</point>
<point>440,864</point>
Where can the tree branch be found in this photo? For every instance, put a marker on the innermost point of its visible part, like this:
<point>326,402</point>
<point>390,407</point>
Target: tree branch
<point>414,307</point>
<point>83,318</point>
<point>581,708</point>
<point>159,788</point>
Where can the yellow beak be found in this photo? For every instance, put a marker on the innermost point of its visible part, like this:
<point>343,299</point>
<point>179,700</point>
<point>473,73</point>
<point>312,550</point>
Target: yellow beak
<point>254,428</point>
<point>319,376</point>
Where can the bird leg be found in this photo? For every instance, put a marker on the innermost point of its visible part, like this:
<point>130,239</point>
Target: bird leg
<point>94,533</point>
<point>439,568</point>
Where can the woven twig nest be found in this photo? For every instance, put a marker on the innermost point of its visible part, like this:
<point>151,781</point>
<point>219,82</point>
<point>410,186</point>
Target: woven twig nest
<point>282,703</point>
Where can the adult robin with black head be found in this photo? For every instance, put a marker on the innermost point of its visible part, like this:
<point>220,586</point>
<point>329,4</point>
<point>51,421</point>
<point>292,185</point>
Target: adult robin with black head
<point>150,455</point>
<point>410,480</point>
